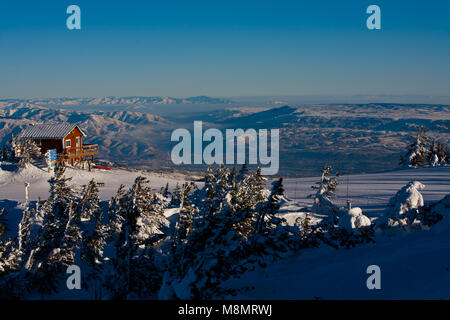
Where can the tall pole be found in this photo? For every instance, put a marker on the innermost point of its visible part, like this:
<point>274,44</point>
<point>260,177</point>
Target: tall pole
<point>27,192</point>
<point>349,203</point>
<point>295,190</point>
<point>347,187</point>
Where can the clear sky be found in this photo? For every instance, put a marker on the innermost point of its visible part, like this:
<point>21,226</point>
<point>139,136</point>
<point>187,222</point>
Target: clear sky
<point>223,48</point>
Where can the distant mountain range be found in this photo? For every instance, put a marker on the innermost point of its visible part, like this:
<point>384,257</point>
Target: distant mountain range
<point>120,101</point>
<point>353,138</point>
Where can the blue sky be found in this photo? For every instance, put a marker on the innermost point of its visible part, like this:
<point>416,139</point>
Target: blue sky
<point>223,48</point>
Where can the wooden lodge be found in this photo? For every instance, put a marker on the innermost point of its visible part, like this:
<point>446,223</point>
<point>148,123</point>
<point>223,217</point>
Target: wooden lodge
<point>66,138</point>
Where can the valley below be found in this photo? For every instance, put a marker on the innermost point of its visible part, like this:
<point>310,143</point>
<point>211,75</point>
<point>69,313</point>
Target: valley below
<point>135,132</point>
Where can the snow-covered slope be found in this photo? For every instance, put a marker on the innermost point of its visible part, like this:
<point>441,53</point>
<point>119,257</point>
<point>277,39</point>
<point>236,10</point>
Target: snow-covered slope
<point>372,192</point>
<point>413,265</point>
<point>12,183</point>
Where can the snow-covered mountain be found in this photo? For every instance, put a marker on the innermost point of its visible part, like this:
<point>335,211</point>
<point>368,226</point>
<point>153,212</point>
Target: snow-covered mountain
<point>352,137</point>
<point>128,101</point>
<point>123,136</point>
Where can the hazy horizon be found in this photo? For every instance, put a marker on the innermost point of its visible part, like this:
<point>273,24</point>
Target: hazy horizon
<point>283,99</point>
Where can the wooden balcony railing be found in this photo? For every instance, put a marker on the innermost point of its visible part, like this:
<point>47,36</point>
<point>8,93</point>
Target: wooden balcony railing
<point>85,150</point>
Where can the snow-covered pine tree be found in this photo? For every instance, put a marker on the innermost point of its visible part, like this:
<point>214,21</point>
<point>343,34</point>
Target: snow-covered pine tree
<point>134,270</point>
<point>304,225</point>
<point>250,193</point>
<point>218,245</point>
<point>149,209</point>
<point>116,214</point>
<point>183,228</point>
<point>418,151</point>
<point>243,172</point>
<point>89,204</point>
<point>165,191</point>
<point>271,235</point>
<point>208,255</point>
<point>115,280</point>
<point>30,152</point>
<point>177,195</point>
<point>185,219</point>
<point>57,252</point>
<point>3,223</point>
<point>95,233</point>
<point>71,242</point>
<point>234,174</point>
<point>8,251</point>
<point>326,188</point>
<point>437,154</point>
<point>25,242</point>
<point>8,267</point>
<point>14,284</point>
<point>9,148</point>
<point>308,237</point>
<point>46,262</point>
<point>9,288</point>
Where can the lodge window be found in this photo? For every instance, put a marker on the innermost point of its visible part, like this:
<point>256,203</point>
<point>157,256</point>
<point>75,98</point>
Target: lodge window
<point>68,143</point>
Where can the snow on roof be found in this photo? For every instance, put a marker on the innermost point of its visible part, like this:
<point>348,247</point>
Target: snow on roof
<point>49,130</point>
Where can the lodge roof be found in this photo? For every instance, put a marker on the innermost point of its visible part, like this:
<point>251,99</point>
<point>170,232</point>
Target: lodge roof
<point>56,130</point>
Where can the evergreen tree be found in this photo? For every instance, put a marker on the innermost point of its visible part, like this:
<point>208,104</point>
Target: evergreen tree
<point>3,223</point>
<point>95,234</point>
<point>8,251</point>
<point>70,243</point>
<point>116,214</point>
<point>437,154</point>
<point>270,235</point>
<point>326,188</point>
<point>9,148</point>
<point>185,218</point>
<point>47,262</point>
<point>134,270</point>
<point>225,238</point>
<point>308,233</point>
<point>8,261</point>
<point>417,152</point>
<point>243,172</point>
<point>30,151</point>
<point>165,191</point>
<point>248,195</point>
<point>177,195</point>
<point>25,242</point>
<point>89,204</point>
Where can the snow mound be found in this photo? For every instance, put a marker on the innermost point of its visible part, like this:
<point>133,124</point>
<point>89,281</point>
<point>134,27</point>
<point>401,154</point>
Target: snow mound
<point>322,205</point>
<point>354,219</point>
<point>407,199</point>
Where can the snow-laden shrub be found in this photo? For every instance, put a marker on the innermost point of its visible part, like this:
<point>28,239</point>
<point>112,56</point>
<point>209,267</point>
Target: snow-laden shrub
<point>435,212</point>
<point>354,219</point>
<point>404,206</point>
<point>348,229</point>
